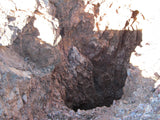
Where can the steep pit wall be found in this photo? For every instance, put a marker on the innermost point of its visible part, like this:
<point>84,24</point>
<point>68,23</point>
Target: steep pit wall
<point>84,44</point>
<point>94,62</point>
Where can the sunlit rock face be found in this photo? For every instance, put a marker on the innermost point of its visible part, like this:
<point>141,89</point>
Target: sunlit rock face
<point>25,48</point>
<point>38,44</point>
<point>14,15</point>
<point>40,36</point>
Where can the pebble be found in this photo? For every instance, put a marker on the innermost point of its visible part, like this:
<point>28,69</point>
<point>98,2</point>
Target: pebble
<point>24,97</point>
<point>148,109</point>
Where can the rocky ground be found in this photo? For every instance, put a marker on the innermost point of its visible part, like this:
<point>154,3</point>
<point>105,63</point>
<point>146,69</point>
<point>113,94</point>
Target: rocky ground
<point>58,57</point>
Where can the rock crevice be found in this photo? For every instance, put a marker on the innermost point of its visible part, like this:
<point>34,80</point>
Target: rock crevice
<point>84,45</point>
<point>94,63</point>
<point>97,79</point>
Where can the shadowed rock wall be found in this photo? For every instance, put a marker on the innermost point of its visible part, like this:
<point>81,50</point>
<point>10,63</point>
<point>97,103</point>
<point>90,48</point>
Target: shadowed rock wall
<point>93,68</point>
<point>85,45</point>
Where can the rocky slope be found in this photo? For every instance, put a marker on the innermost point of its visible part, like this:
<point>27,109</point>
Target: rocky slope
<point>69,59</point>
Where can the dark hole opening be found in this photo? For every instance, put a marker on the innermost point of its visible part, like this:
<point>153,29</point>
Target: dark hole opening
<point>94,78</point>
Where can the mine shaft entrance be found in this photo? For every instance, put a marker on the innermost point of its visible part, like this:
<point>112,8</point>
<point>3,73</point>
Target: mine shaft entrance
<point>94,75</point>
<point>94,61</point>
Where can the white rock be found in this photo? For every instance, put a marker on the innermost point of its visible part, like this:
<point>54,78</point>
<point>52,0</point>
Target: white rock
<point>20,10</point>
<point>24,97</point>
<point>26,5</point>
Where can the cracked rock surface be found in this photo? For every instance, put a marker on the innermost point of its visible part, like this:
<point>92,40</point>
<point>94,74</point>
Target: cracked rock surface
<point>79,59</point>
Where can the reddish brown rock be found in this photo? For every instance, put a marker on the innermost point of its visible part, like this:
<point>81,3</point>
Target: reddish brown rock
<point>93,72</point>
<point>89,45</point>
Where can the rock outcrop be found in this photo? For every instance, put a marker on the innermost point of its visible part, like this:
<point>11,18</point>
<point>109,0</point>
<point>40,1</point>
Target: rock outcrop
<point>57,56</point>
<point>93,68</point>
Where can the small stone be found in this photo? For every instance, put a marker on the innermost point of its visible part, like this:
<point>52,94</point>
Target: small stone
<point>125,102</point>
<point>24,97</point>
<point>148,109</point>
<point>19,104</point>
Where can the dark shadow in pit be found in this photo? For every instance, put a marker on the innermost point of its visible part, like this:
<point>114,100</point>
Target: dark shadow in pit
<point>94,68</point>
<point>98,79</point>
<point>93,65</point>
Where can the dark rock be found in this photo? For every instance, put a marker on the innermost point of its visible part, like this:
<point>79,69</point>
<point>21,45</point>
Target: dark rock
<point>93,72</point>
<point>89,63</point>
<point>30,46</point>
